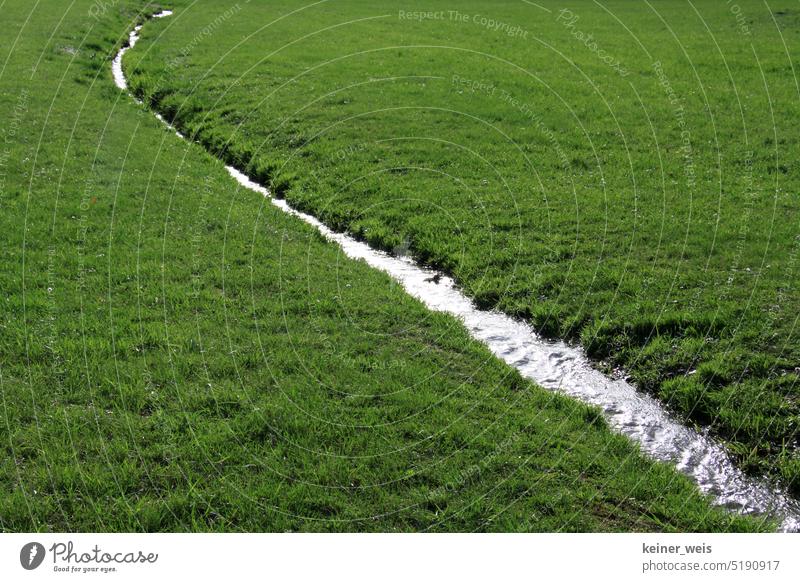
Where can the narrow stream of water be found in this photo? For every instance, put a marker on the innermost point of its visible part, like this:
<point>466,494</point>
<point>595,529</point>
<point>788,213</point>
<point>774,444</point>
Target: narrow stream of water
<point>559,367</point>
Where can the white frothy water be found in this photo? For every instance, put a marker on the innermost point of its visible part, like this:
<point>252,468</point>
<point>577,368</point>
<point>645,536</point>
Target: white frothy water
<point>116,64</point>
<point>559,367</point>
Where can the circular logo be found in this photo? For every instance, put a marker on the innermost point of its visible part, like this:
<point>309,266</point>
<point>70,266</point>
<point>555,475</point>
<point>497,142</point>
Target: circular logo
<point>31,555</point>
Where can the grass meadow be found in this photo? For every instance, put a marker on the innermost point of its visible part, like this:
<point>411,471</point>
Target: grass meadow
<point>621,174</point>
<point>176,354</point>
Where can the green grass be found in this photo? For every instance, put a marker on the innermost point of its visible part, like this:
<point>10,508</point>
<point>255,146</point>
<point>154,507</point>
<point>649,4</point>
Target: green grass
<point>645,206</point>
<point>178,355</point>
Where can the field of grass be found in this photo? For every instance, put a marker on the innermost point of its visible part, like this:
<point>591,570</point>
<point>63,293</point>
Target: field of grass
<point>176,354</point>
<point>620,174</point>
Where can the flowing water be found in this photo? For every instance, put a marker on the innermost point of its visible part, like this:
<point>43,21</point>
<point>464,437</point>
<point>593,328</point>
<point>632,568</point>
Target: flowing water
<point>559,367</point>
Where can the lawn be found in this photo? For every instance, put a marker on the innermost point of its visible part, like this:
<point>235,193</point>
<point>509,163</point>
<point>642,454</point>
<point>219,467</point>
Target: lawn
<point>176,354</point>
<point>622,174</point>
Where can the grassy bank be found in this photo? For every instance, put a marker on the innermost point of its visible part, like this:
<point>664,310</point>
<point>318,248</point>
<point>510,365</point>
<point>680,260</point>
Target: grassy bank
<point>177,354</point>
<point>622,175</point>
